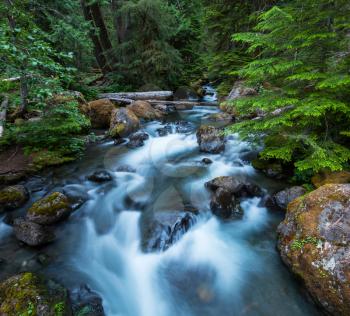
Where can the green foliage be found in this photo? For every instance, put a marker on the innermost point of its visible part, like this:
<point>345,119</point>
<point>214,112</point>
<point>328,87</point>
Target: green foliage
<point>298,244</point>
<point>58,131</point>
<point>301,71</point>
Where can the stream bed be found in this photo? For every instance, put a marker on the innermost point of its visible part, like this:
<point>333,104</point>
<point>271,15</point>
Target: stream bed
<point>216,268</point>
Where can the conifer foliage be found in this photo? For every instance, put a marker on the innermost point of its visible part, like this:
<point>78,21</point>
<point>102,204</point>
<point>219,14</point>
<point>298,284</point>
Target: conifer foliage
<point>301,70</point>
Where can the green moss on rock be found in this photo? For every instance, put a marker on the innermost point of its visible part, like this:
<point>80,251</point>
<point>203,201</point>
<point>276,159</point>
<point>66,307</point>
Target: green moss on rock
<point>28,294</point>
<point>13,197</point>
<point>50,209</point>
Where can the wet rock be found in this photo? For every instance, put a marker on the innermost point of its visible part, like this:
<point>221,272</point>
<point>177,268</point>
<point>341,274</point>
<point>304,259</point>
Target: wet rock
<point>12,177</point>
<point>221,117</point>
<point>100,176</point>
<point>164,131</point>
<point>126,168</point>
<point>13,197</point>
<point>227,192</point>
<point>283,198</point>
<point>323,178</point>
<point>119,141</point>
<point>137,139</point>
<point>50,210</point>
<point>76,194</point>
<point>123,123</point>
<point>185,93</point>
<point>272,168</point>
<point>30,294</point>
<point>181,127</point>
<point>100,112</point>
<point>207,161</point>
<point>85,302</point>
<point>144,110</point>
<point>31,233</point>
<point>314,242</point>
<point>210,140</point>
<point>165,228</point>
<point>165,109</point>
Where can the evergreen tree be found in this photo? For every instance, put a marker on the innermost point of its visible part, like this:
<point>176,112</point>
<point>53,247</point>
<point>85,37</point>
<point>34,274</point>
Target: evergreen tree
<point>302,71</point>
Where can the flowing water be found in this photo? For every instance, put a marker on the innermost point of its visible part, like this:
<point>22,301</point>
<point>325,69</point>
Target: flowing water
<point>216,268</point>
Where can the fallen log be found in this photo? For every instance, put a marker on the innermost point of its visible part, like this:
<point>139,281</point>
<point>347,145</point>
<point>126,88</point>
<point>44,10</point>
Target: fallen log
<point>3,112</point>
<point>156,95</point>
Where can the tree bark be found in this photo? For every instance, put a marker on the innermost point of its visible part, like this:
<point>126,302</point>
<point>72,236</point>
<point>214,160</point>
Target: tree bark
<point>120,23</point>
<point>155,95</point>
<point>98,49</point>
<point>3,112</point>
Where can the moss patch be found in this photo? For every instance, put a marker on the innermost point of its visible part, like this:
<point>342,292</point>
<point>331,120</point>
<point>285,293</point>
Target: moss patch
<point>50,204</point>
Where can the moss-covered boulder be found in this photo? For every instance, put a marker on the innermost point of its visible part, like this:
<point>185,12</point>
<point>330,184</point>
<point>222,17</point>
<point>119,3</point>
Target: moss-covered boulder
<point>123,123</point>
<point>100,112</point>
<point>144,110</point>
<point>28,294</point>
<point>13,197</point>
<point>272,168</point>
<point>50,209</point>
<point>314,242</point>
<point>331,177</point>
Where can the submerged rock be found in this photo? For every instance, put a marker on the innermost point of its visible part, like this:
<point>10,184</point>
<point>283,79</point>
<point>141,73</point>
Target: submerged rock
<point>100,112</point>
<point>283,198</point>
<point>314,242</point>
<point>210,140</point>
<point>86,302</point>
<point>32,233</point>
<point>144,110</point>
<point>137,139</point>
<point>165,228</point>
<point>100,176</point>
<point>50,210</point>
<point>227,192</point>
<point>181,127</point>
<point>30,294</point>
<point>126,168</point>
<point>207,161</point>
<point>123,123</point>
<point>13,197</point>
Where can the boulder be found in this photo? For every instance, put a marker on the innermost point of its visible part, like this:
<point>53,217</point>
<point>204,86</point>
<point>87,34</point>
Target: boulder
<point>30,294</point>
<point>100,176</point>
<point>164,228</point>
<point>314,242</point>
<point>50,210</point>
<point>13,197</point>
<point>126,168</point>
<point>137,139</point>
<point>226,196</point>
<point>31,233</point>
<point>240,90</point>
<point>123,123</point>
<point>284,197</point>
<point>271,168</point>
<point>221,117</point>
<point>185,93</point>
<point>100,112</point>
<point>330,177</point>
<point>85,302</point>
<point>144,110</point>
<point>207,161</point>
<point>210,140</point>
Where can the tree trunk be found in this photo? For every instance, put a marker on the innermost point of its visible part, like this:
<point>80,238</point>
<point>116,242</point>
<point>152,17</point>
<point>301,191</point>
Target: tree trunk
<point>24,95</point>
<point>120,23</point>
<point>155,95</point>
<point>3,112</point>
<point>98,49</point>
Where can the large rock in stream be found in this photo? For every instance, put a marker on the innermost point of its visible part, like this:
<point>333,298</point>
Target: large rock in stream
<point>100,112</point>
<point>30,294</point>
<point>13,197</point>
<point>123,123</point>
<point>164,228</point>
<point>50,210</point>
<point>314,242</point>
<point>144,110</point>
<point>284,197</point>
<point>227,193</point>
<point>210,140</point>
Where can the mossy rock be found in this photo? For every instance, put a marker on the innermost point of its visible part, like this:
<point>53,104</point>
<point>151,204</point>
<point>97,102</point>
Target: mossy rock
<point>123,123</point>
<point>47,158</point>
<point>314,242</point>
<point>50,209</point>
<point>13,197</point>
<point>330,177</point>
<point>271,168</point>
<point>28,294</point>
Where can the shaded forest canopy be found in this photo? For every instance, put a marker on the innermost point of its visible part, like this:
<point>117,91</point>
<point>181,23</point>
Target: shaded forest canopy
<point>295,53</point>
